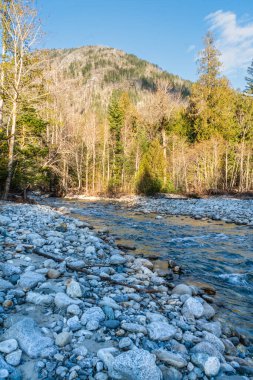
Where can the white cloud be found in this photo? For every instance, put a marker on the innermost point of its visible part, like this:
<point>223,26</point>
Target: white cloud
<point>191,48</point>
<point>234,40</point>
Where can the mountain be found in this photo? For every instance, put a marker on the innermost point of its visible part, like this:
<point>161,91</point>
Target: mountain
<point>97,70</point>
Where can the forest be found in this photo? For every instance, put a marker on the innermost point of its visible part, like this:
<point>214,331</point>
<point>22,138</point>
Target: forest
<point>95,120</point>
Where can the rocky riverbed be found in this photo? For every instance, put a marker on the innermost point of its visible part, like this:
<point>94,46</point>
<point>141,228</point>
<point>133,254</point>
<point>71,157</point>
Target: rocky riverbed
<point>73,306</point>
<point>230,210</point>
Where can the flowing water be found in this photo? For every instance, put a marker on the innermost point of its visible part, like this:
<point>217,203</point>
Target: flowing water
<point>212,252</point>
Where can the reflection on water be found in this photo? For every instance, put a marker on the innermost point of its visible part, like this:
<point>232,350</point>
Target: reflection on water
<point>211,252</point>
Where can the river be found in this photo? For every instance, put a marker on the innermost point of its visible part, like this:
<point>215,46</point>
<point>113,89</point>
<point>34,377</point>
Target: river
<point>212,252</point>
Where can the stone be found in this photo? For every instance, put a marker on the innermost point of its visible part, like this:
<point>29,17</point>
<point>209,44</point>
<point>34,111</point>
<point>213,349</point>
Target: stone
<point>53,274</point>
<point>4,220</point>
<point>29,280</point>
<point>63,339</point>
<point>176,360</point>
<point>182,289</point>
<point>74,323</point>
<point>193,307</point>
<point>161,331</point>
<point>13,373</point>
<point>108,301</point>
<point>9,269</point>
<point>135,364</point>
<point>29,337</point>
<point>95,313</point>
<point>73,309</point>
<point>5,285</point>
<point>134,327</point>
<point>117,259</point>
<point>81,350</point>
<point>170,373</point>
<point>125,343</point>
<point>14,358</point>
<point>215,341</point>
<point>62,301</point>
<point>4,373</point>
<point>209,311</point>
<point>212,327</point>
<point>8,346</point>
<point>111,324</point>
<point>207,348</point>
<point>212,366</point>
<point>39,299</point>
<point>74,289</point>
<point>92,325</point>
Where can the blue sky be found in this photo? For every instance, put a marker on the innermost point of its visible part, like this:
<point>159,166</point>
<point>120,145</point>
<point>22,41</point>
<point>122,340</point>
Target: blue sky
<point>166,32</point>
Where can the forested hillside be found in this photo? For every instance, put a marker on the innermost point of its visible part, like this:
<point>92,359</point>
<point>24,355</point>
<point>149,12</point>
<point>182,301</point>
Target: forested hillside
<point>98,120</point>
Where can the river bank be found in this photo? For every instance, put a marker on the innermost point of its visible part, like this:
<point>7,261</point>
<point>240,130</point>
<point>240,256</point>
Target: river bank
<point>227,209</point>
<point>117,319</point>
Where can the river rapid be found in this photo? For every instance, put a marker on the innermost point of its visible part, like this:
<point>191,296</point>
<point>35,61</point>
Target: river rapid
<point>212,252</point>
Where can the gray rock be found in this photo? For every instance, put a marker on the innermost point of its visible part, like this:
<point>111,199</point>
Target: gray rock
<point>14,358</point>
<point>4,373</point>
<point>81,350</point>
<point>176,360</point>
<point>93,314</point>
<point>171,373</point>
<point>134,327</point>
<point>73,309</point>
<point>92,325</point>
<point>117,259</point>
<point>30,280</point>
<point>4,220</point>
<point>29,337</point>
<point>215,341</point>
<point>212,327</point>
<point>62,301</point>
<point>39,299</point>
<point>212,366</point>
<point>161,331</point>
<point>74,289</point>
<point>193,307</point>
<point>5,285</point>
<point>209,311</point>
<point>14,373</point>
<point>207,348</point>
<point>9,269</point>
<point>8,346</point>
<point>74,323</point>
<point>63,338</point>
<point>135,364</point>
<point>182,289</point>
<point>125,343</point>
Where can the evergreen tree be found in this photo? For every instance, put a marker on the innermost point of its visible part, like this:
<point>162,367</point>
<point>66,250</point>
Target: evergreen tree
<point>249,79</point>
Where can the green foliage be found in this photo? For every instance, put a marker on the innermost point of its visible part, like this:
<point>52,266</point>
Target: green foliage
<point>249,79</point>
<point>149,179</point>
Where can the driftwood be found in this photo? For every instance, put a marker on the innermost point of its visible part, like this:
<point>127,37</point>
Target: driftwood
<point>87,271</point>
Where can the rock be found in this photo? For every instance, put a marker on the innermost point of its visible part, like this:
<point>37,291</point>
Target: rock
<point>216,342</point>
<point>209,311</point>
<point>212,327</point>
<point>63,339</point>
<point>94,314</point>
<point>29,337</point>
<point>8,346</point>
<point>73,309</point>
<point>30,280</point>
<point>73,289</point>
<point>134,327</point>
<point>4,220</point>
<point>13,373</point>
<point>39,299</point>
<point>207,348</point>
<point>4,373</point>
<point>176,360</point>
<point>9,269</point>
<point>117,259</point>
<point>5,285</point>
<point>212,366</point>
<point>74,323</point>
<point>170,373</point>
<point>111,324</point>
<point>135,364</point>
<point>62,301</point>
<point>193,307</point>
<point>92,325</point>
<point>125,343</point>
<point>182,289</point>
<point>161,331</point>
<point>14,358</point>
<point>108,301</point>
<point>81,350</point>
<point>53,273</point>
<point>138,263</point>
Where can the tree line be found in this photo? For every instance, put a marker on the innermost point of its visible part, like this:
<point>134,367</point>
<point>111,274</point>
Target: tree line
<point>156,141</point>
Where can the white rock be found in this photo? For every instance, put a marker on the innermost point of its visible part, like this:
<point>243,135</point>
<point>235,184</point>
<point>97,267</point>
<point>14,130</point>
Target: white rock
<point>8,346</point>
